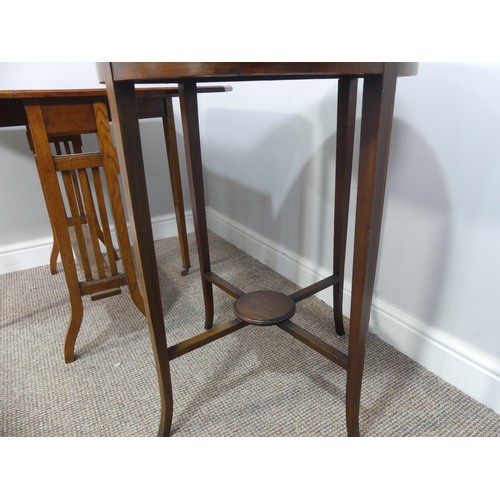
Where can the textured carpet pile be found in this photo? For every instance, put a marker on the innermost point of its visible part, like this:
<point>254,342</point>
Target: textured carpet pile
<point>254,382</point>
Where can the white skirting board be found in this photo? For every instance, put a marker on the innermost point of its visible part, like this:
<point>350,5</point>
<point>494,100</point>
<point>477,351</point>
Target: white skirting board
<point>474,372</point>
<point>34,253</point>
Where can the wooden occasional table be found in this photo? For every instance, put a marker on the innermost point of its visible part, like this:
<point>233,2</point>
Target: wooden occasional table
<point>79,218</point>
<point>378,102</point>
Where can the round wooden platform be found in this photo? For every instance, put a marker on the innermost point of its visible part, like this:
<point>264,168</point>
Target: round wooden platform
<point>264,308</point>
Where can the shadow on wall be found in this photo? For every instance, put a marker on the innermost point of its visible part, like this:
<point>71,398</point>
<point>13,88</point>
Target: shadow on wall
<point>156,167</point>
<point>23,215</point>
<point>279,183</point>
<point>416,228</point>
<point>15,140</point>
<point>447,164</point>
<point>272,173</point>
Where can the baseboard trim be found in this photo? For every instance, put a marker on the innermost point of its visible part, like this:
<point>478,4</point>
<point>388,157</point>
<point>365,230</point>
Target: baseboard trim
<point>36,252</point>
<point>25,255</point>
<point>474,372</point>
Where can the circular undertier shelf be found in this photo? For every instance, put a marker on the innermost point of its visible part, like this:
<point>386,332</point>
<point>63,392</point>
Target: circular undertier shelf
<point>264,308</point>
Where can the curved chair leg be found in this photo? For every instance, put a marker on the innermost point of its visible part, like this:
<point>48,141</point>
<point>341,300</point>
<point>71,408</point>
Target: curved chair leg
<point>57,217</point>
<point>167,412</point>
<point>136,296</point>
<point>73,328</point>
<point>54,254</point>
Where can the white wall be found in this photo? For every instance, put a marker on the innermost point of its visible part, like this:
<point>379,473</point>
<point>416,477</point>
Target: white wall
<point>268,150</point>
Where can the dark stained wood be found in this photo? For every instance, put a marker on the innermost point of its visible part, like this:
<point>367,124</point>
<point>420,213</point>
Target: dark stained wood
<point>221,283</point>
<point>378,100</point>
<point>264,308</point>
<point>314,342</point>
<point>310,290</point>
<point>346,121</point>
<point>12,112</point>
<point>175,179</point>
<point>163,72</point>
<point>191,127</point>
<point>121,98</point>
<point>204,338</point>
<point>378,103</point>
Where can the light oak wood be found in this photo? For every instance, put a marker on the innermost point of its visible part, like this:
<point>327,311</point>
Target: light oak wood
<point>82,223</point>
<point>57,215</point>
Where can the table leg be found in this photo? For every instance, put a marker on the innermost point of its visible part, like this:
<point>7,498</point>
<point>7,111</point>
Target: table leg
<point>189,111</point>
<point>57,215</point>
<point>378,104</point>
<point>121,96</point>
<point>346,121</point>
<point>175,181</point>
<point>54,254</point>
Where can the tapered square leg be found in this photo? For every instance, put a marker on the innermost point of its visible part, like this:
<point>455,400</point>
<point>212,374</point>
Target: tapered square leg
<point>121,97</point>
<point>346,121</point>
<point>189,110</point>
<point>378,103</point>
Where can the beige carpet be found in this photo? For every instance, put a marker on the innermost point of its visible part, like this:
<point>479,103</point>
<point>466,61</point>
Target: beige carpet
<point>255,382</point>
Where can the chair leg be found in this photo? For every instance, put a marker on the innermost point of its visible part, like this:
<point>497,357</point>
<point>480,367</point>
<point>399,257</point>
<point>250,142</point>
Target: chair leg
<point>54,254</point>
<point>73,327</point>
<point>57,217</point>
<point>346,120</point>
